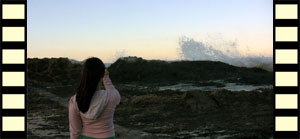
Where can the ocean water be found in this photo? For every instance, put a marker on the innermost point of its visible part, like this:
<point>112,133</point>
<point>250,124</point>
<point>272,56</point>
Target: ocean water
<point>228,86</point>
<point>107,64</point>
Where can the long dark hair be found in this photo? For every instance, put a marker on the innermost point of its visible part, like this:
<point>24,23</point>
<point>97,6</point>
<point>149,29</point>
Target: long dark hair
<point>92,72</point>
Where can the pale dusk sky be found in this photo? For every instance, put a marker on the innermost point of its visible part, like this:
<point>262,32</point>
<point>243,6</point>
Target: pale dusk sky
<point>151,29</point>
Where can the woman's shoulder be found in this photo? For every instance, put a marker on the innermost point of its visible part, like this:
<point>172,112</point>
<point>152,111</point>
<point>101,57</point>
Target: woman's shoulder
<point>114,96</point>
<point>72,103</point>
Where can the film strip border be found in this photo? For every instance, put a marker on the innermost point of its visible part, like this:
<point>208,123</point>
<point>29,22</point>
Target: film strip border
<point>13,75</point>
<point>286,68</point>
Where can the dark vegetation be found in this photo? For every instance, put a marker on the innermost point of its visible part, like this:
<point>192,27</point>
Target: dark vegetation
<point>60,71</point>
<point>53,71</point>
<point>133,69</point>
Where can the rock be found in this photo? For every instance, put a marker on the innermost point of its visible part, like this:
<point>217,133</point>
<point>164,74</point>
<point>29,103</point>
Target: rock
<point>198,101</point>
<point>127,133</point>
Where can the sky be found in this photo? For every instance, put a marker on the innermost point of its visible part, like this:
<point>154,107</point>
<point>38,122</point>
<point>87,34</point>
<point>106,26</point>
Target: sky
<point>150,29</point>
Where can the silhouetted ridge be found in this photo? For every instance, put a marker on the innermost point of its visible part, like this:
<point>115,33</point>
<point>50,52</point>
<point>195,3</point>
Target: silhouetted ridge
<point>50,71</point>
<point>61,71</point>
<point>136,69</point>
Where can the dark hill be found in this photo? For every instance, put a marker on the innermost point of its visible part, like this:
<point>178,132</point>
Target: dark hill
<point>134,69</point>
<point>61,71</point>
<point>53,71</point>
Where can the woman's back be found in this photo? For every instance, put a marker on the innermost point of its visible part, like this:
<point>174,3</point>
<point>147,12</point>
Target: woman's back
<point>97,122</point>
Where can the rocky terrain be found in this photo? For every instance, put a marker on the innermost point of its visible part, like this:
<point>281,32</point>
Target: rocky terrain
<point>144,108</point>
<point>199,114</point>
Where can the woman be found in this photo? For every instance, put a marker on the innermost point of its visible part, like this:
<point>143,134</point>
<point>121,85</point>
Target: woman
<point>91,109</point>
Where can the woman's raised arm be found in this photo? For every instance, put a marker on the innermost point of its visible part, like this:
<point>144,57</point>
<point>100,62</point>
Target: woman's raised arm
<point>110,87</point>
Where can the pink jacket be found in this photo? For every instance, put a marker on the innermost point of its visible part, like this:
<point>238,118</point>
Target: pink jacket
<point>97,122</point>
